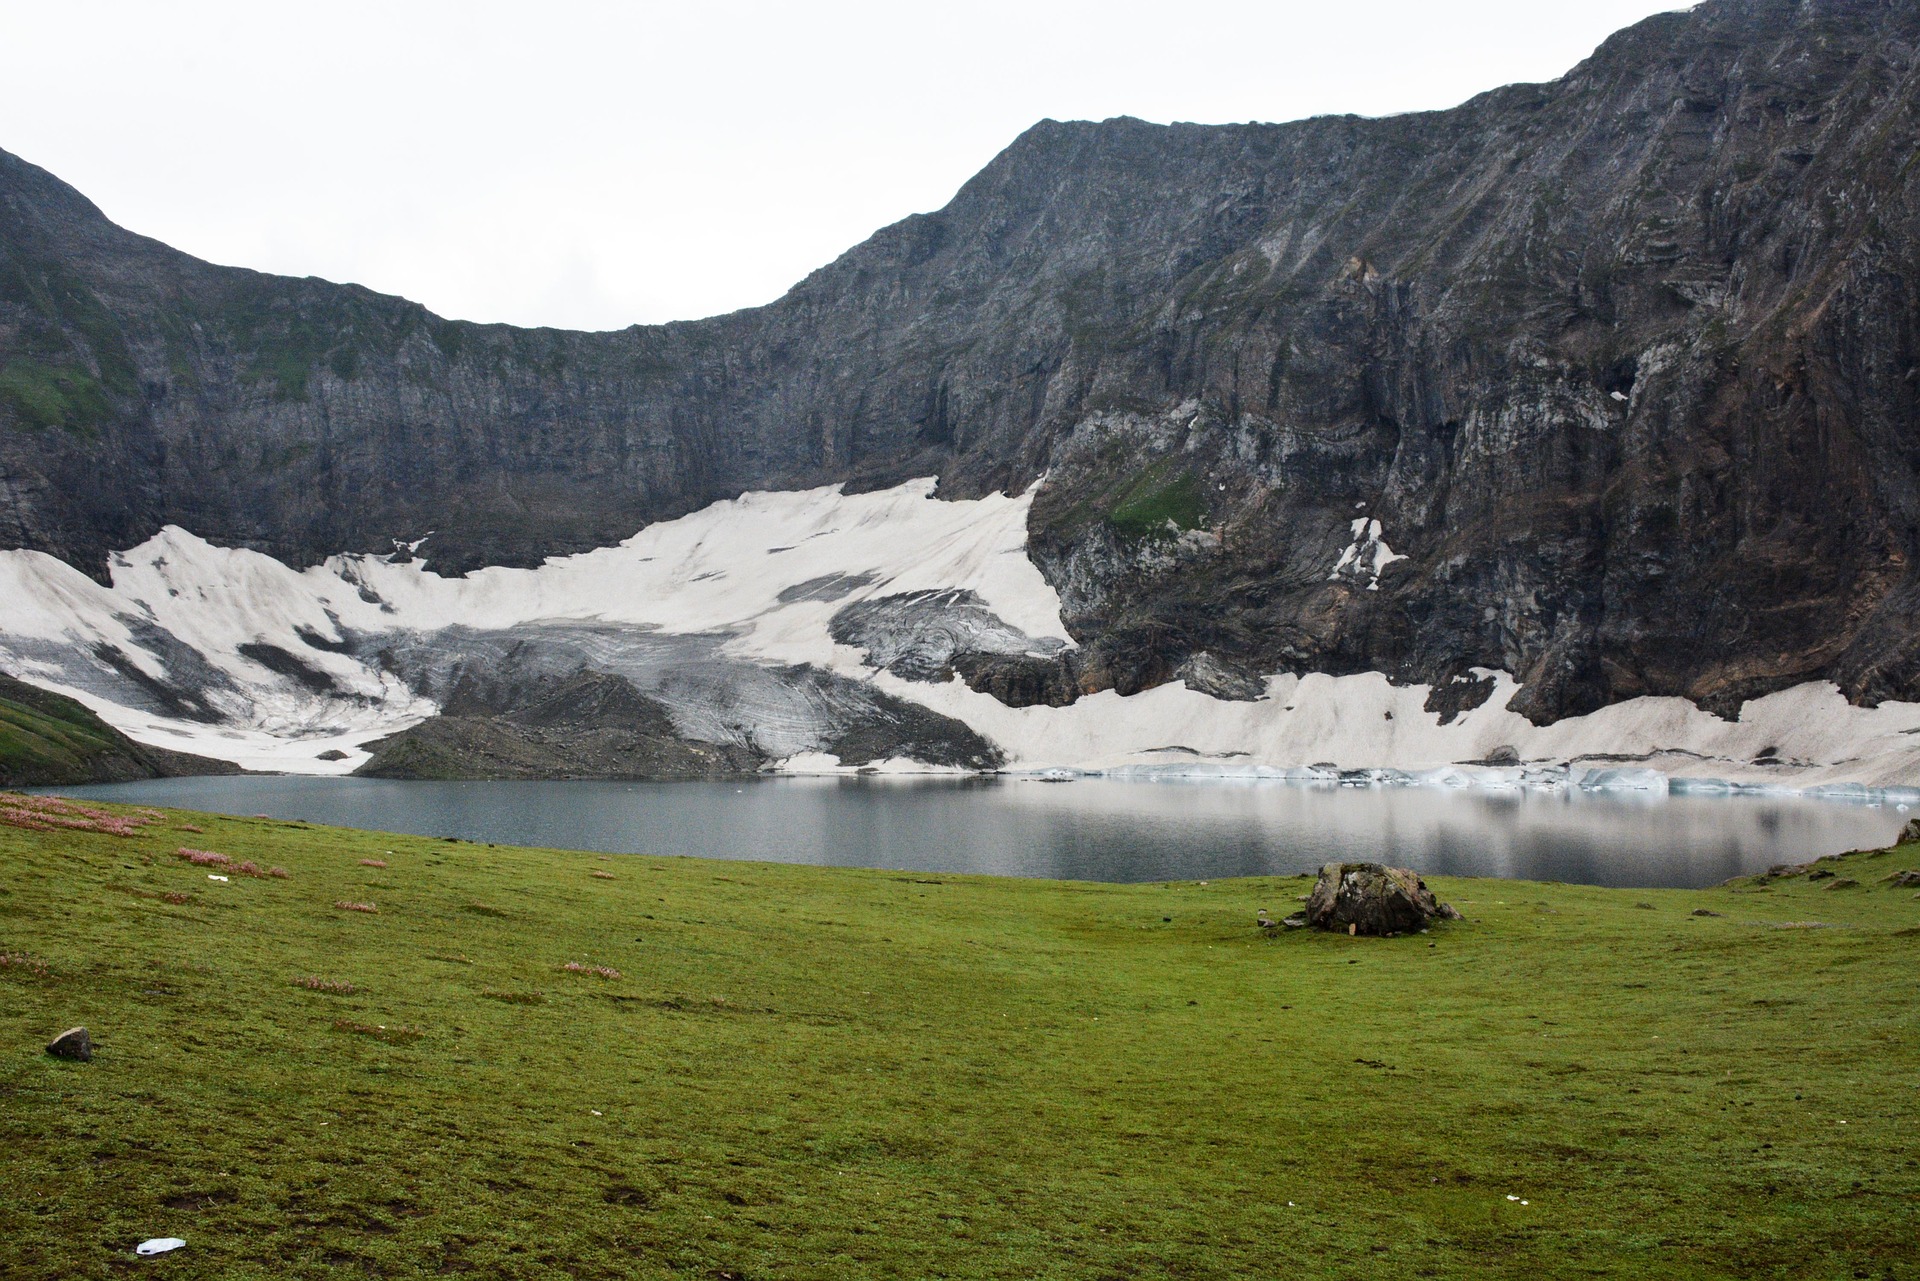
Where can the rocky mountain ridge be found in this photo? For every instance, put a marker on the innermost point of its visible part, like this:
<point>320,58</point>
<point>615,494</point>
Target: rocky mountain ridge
<point>1609,383</point>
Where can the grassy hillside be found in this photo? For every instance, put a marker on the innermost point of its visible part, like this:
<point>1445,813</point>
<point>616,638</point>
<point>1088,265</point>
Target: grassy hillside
<point>789,1072</point>
<point>50,740</point>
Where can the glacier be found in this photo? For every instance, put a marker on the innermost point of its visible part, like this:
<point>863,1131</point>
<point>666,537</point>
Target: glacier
<point>761,619</point>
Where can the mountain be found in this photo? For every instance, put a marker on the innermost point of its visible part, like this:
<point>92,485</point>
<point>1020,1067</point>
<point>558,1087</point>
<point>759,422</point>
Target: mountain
<point>1612,384</point>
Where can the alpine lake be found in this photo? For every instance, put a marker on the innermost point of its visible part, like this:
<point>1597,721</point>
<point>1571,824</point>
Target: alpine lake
<point>1087,829</point>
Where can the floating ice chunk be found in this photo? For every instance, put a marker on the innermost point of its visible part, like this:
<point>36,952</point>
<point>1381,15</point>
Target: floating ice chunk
<point>1623,780</point>
<point>1700,787</point>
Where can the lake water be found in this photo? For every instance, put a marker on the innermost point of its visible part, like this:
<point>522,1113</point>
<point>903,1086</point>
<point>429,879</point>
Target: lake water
<point>1089,829</point>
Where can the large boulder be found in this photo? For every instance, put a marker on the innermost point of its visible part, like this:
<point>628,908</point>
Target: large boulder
<point>1369,898</point>
<point>74,1043</point>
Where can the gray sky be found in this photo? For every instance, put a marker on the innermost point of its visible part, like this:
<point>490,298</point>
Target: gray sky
<point>593,164</point>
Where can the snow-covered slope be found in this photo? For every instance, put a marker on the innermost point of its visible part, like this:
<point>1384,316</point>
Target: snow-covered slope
<point>233,654</point>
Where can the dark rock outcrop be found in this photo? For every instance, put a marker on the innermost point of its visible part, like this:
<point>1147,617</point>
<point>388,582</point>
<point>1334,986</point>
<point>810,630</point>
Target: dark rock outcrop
<point>918,635</point>
<point>1612,383</point>
<point>74,1043</point>
<point>49,740</point>
<point>592,724</point>
<point>1371,899</point>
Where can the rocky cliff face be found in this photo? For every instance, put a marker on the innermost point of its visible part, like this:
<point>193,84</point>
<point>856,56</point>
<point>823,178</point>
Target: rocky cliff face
<point>1613,383</point>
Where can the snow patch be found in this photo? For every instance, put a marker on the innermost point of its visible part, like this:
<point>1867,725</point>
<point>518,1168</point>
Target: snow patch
<point>1366,555</point>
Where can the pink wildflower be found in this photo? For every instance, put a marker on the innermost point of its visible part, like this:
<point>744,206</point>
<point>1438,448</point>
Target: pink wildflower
<point>602,971</point>
<point>313,983</point>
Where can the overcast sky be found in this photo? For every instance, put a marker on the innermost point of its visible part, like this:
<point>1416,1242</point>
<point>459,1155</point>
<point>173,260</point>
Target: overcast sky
<point>593,164</point>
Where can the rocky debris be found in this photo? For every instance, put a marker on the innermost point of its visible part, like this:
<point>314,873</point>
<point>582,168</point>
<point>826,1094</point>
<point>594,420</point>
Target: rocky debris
<point>1022,680</point>
<point>593,724</point>
<point>331,754</point>
<point>1821,874</point>
<point>1462,693</point>
<point>590,725</point>
<point>74,1043</point>
<point>1902,880</point>
<point>915,635</point>
<point>1704,911</point>
<point>1208,675</point>
<point>1843,883</point>
<point>1910,833</point>
<point>1371,899</point>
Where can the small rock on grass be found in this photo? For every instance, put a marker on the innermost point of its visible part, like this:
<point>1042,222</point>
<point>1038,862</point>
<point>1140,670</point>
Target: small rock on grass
<point>74,1043</point>
<point>1706,911</point>
<point>1843,883</point>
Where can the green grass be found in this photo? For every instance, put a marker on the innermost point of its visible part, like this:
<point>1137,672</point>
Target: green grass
<point>1158,504</point>
<point>53,738</point>
<point>810,1073</point>
<point>41,395</point>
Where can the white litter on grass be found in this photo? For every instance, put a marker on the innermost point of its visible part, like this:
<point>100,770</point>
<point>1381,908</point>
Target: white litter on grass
<point>1511,1197</point>
<point>158,1245</point>
<point>212,877</point>
<point>595,1111</point>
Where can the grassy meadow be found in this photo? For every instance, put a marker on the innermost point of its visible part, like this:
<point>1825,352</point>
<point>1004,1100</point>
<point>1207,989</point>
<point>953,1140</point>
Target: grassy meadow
<point>533,1063</point>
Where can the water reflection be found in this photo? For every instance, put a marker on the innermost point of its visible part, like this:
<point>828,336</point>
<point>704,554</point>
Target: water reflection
<point>1090,829</point>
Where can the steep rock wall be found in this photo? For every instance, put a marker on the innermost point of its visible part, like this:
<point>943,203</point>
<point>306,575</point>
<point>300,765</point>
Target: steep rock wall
<point>1623,365</point>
